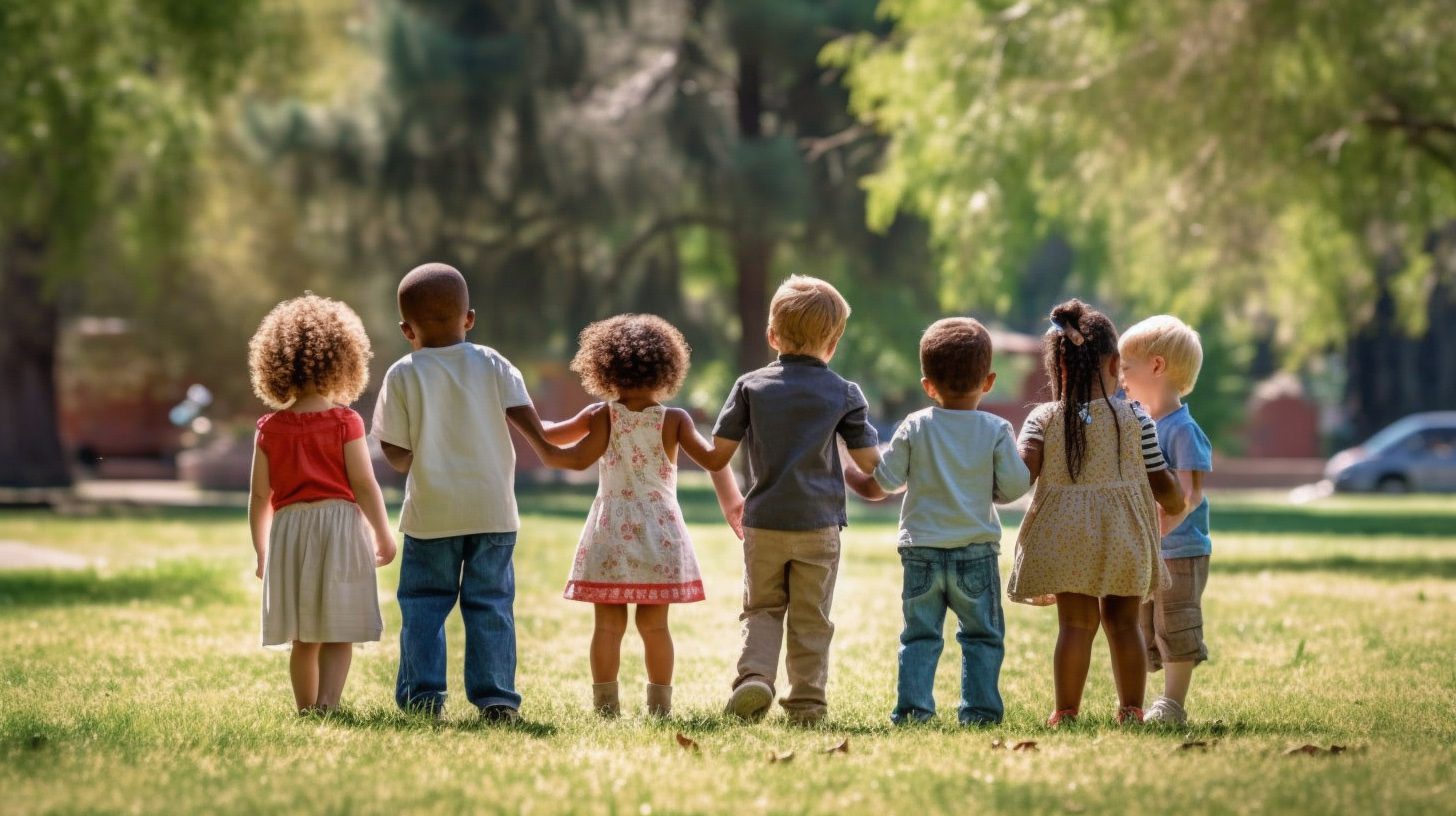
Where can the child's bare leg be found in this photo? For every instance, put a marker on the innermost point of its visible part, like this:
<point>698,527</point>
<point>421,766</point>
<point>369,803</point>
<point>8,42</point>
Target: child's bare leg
<point>656,642</point>
<point>333,670</point>
<point>1176,679</point>
<point>1120,619</point>
<point>606,643</point>
<point>1077,620</point>
<point>303,671</point>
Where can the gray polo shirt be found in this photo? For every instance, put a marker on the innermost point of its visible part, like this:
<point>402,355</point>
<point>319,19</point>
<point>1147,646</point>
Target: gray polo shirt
<point>953,464</point>
<point>787,414</point>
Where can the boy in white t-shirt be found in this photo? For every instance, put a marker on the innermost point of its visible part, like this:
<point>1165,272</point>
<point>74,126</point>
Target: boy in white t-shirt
<point>441,417</point>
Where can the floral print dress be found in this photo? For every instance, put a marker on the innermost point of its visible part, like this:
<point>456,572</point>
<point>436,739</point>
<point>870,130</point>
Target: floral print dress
<point>635,546</point>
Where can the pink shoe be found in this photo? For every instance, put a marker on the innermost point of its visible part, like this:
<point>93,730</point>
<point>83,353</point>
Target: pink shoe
<point>1129,714</point>
<point>1061,717</point>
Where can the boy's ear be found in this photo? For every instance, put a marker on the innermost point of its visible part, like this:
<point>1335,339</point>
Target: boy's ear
<point>773,339</point>
<point>407,330</point>
<point>989,383</point>
<point>1159,365</point>
<point>469,319</point>
<point>929,387</point>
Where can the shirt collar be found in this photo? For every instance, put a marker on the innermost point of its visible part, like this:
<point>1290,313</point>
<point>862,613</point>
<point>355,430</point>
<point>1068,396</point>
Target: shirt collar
<point>801,359</point>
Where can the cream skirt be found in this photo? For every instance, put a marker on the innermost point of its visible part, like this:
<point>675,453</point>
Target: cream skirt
<point>318,578</point>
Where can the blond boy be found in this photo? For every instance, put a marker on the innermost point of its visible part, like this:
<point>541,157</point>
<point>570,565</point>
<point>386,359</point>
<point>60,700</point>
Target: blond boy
<point>1161,358</point>
<point>787,416</point>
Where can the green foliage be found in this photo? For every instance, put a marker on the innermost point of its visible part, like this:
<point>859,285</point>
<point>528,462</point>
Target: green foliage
<point>1231,158</point>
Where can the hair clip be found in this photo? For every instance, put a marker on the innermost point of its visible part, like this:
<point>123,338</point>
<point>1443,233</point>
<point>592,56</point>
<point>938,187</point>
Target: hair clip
<point>1086,415</point>
<point>1071,333</point>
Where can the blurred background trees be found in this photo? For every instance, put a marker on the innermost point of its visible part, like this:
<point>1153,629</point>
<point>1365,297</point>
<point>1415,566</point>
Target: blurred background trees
<point>1282,175</point>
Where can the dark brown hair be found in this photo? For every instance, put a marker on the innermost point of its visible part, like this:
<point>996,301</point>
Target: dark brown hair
<point>1078,344</point>
<point>631,351</point>
<point>955,355</point>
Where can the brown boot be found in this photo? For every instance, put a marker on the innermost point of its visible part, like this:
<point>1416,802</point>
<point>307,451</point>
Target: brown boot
<point>659,700</point>
<point>604,699</point>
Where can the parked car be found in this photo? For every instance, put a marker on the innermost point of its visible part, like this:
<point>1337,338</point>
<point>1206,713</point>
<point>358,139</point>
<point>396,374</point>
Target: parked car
<point>1417,453</point>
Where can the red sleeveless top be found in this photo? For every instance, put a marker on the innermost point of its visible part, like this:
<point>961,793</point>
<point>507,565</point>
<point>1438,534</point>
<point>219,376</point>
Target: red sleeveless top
<point>306,454</point>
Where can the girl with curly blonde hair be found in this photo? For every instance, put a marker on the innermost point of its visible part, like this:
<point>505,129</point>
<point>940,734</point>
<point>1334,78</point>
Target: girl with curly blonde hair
<point>635,547</point>
<point>315,510</point>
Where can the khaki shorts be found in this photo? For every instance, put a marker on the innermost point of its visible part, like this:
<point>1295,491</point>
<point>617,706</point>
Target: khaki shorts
<point>1173,620</point>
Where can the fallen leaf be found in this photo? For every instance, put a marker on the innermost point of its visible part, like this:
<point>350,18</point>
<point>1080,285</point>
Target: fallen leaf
<point>841,748</point>
<point>1189,746</point>
<point>1338,749</point>
<point>775,757</point>
<point>687,743</point>
<point>1305,749</point>
<point>998,744</point>
<point>1025,745</point>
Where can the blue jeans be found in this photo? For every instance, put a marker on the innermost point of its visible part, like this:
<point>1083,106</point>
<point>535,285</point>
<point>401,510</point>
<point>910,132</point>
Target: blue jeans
<point>433,572</point>
<point>967,581</point>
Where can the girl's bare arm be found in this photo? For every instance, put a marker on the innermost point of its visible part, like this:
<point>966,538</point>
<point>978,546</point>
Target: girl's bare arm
<point>260,506</point>
<point>571,431</point>
<point>371,500</point>
<point>1166,491</point>
<point>1031,453</point>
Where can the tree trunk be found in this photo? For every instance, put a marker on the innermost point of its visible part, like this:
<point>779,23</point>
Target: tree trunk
<point>752,247</point>
<point>31,454</point>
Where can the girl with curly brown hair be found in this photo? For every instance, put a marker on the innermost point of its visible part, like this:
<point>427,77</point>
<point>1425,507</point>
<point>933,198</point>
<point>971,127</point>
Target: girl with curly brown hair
<point>315,510</point>
<point>635,547</point>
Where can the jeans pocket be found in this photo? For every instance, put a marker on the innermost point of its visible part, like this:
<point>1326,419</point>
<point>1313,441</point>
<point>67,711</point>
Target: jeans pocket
<point>975,576</point>
<point>918,577</point>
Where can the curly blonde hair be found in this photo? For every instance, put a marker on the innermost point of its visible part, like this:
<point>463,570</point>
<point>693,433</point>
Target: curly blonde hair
<point>631,351</point>
<point>309,340</point>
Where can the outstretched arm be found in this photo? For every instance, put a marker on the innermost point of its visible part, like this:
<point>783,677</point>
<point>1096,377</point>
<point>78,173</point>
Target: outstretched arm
<point>713,457</point>
<point>571,431</point>
<point>579,456</point>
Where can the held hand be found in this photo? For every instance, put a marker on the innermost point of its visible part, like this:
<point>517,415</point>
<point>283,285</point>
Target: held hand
<point>384,550</point>
<point>733,514</point>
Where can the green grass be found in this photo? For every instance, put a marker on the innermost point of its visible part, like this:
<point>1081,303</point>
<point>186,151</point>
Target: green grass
<point>139,686</point>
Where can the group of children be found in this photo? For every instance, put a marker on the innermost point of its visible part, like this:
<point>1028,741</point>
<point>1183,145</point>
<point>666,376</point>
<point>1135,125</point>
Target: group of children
<point>1116,535</point>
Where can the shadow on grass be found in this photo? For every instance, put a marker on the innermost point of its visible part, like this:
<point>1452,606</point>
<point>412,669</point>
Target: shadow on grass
<point>1394,569</point>
<point>168,582</point>
<point>1314,520</point>
<point>376,719</point>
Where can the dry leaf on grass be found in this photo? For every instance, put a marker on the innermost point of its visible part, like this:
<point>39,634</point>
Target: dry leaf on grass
<point>841,748</point>
<point>1025,745</point>
<point>776,757</point>
<point>1311,750</point>
<point>687,743</point>
<point>1196,745</point>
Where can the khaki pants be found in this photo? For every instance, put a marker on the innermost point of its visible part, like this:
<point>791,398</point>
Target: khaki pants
<point>1172,620</point>
<point>789,574</point>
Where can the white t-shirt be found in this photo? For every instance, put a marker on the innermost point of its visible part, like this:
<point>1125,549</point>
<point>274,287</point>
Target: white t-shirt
<point>448,406</point>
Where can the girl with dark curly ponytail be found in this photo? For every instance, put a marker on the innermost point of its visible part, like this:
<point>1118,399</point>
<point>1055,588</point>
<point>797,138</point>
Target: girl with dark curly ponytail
<point>1089,542</point>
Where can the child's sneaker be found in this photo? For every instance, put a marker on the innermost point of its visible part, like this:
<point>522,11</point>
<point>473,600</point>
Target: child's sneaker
<point>1129,715</point>
<point>1164,710</point>
<point>750,701</point>
<point>1061,717</point>
<point>500,715</point>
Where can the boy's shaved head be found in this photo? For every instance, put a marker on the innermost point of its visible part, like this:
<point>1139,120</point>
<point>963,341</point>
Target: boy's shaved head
<point>433,293</point>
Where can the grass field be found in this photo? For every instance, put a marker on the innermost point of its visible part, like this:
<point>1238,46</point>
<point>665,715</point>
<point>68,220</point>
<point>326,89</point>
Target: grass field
<point>139,686</point>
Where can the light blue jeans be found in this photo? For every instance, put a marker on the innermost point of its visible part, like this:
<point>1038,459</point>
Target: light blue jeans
<point>433,573</point>
<point>967,581</point>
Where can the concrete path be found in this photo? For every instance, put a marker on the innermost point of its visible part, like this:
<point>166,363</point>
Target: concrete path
<point>17,555</point>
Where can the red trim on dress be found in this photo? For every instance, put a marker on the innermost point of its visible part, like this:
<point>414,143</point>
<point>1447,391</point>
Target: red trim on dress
<point>611,593</point>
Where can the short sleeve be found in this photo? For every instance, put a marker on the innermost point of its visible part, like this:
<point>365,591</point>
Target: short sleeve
<point>855,427</point>
<point>733,419</point>
<point>1152,454</point>
<point>391,414</point>
<point>1188,448</point>
<point>512,386</point>
<point>894,469</point>
<point>353,425</point>
<point>1034,428</point>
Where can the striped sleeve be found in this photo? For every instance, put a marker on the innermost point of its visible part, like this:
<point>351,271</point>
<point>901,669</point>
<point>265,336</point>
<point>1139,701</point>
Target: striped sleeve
<point>1152,455</point>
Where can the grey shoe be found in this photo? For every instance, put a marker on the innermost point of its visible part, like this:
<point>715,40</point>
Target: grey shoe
<point>659,700</point>
<point>604,699</point>
<point>1164,710</point>
<point>500,715</point>
<point>750,701</point>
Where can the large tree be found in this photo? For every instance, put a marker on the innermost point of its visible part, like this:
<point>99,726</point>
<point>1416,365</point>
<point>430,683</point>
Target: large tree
<point>105,108</point>
<point>1287,164</point>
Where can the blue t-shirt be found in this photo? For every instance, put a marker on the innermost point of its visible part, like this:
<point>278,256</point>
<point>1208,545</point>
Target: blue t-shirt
<point>1186,447</point>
